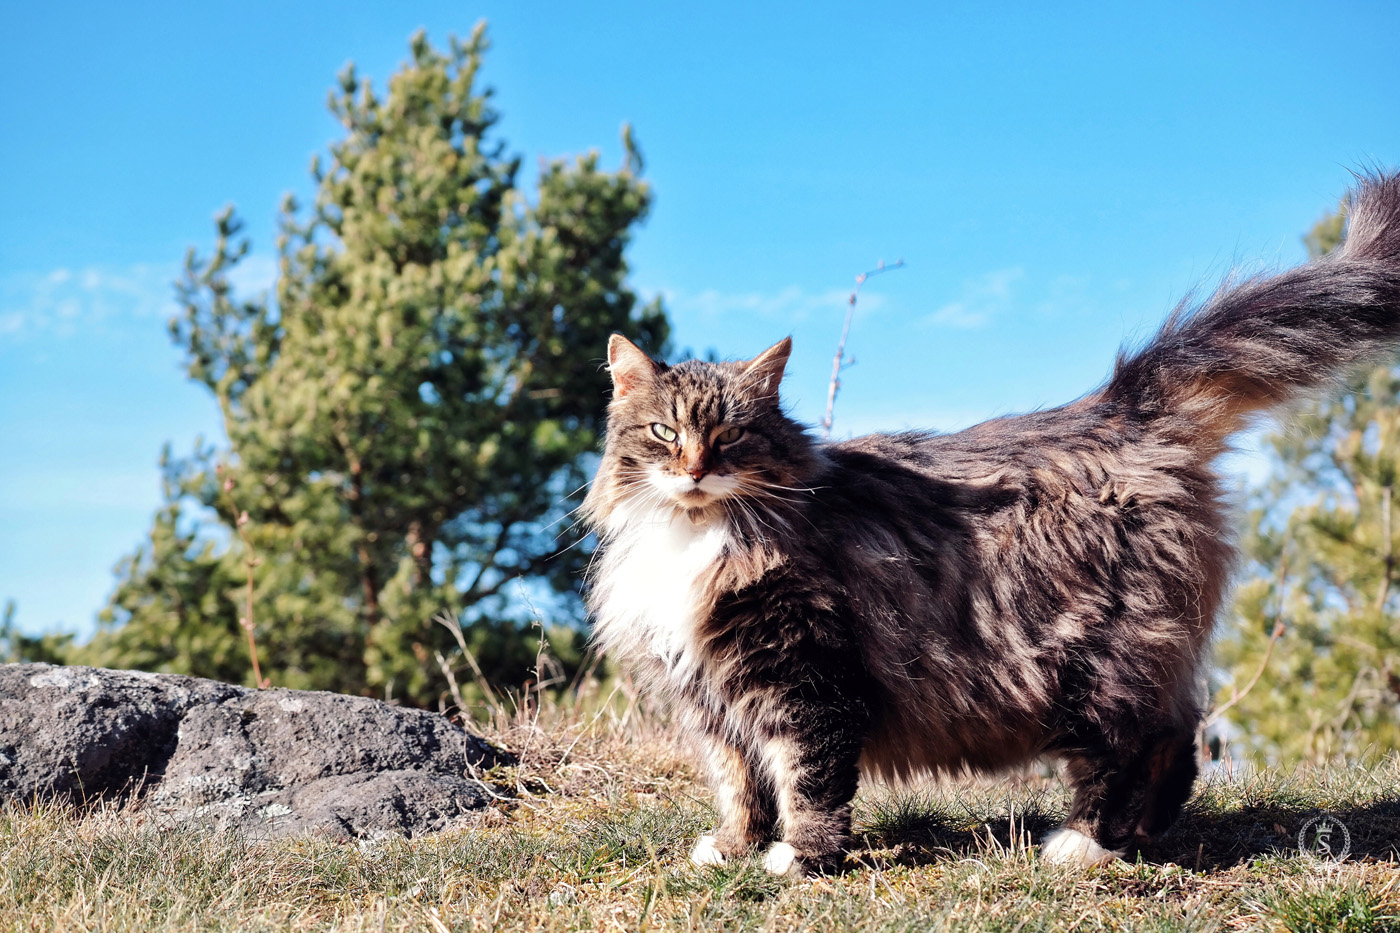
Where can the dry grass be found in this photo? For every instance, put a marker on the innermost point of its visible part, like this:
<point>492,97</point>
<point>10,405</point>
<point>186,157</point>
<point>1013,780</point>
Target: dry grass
<point>592,830</point>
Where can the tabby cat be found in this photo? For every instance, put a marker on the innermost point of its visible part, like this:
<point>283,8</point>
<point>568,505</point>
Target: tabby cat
<point>917,603</point>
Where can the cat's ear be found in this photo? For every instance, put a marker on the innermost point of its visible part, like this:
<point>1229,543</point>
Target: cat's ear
<point>630,367</point>
<point>765,371</point>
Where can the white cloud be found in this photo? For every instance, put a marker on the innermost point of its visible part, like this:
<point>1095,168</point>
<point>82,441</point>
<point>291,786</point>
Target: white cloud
<point>253,276</point>
<point>63,301</point>
<point>791,303</point>
<point>979,300</point>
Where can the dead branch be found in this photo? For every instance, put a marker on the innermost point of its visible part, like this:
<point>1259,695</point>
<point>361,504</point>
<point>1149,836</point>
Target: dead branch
<point>250,563</point>
<point>840,362</point>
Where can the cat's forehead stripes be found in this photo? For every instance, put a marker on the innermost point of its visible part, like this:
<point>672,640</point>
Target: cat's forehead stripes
<point>701,394</point>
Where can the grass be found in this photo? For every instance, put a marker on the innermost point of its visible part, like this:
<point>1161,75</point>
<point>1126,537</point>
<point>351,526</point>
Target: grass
<point>591,831</point>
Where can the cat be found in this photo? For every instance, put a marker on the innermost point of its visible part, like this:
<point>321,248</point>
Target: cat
<point>916,603</point>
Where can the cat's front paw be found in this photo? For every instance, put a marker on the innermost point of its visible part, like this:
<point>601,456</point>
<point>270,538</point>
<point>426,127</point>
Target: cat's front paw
<point>706,852</point>
<point>1071,847</point>
<point>782,859</point>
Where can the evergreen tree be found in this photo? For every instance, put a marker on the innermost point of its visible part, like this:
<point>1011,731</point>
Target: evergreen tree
<point>405,419</point>
<point>17,647</point>
<point>1320,617</point>
<point>173,609</point>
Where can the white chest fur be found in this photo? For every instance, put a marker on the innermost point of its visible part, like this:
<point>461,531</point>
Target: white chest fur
<point>645,593</point>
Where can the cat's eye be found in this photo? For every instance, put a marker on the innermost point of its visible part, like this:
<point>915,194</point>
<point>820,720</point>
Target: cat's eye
<point>664,432</point>
<point>730,435</point>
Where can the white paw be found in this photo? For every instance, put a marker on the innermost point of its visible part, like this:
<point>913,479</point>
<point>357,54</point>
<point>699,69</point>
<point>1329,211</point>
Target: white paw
<point>706,853</point>
<point>1071,847</point>
<point>779,858</point>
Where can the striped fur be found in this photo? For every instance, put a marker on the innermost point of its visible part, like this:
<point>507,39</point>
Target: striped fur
<point>914,603</point>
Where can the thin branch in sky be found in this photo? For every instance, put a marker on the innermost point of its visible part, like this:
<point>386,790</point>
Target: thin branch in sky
<point>841,361</point>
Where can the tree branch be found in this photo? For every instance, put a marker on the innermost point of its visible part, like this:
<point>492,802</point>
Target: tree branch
<point>1268,652</point>
<point>490,562</point>
<point>1387,549</point>
<point>839,362</point>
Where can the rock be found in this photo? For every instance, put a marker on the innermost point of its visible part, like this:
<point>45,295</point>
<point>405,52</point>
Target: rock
<point>265,762</point>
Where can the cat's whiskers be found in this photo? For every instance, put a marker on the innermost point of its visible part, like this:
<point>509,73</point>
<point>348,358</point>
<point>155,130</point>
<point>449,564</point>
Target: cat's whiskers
<point>623,474</point>
<point>772,485</point>
<point>574,511</point>
<point>752,512</point>
<point>796,506</point>
<point>569,547</point>
<point>657,500</point>
<point>759,491</point>
<point>648,497</point>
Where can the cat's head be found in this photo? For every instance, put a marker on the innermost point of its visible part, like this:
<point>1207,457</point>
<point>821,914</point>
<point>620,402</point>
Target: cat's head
<point>698,437</point>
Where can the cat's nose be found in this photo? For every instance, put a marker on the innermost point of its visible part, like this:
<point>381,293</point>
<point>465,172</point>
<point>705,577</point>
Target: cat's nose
<point>696,463</point>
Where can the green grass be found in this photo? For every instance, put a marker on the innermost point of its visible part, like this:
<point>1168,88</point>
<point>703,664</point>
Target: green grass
<point>605,849</point>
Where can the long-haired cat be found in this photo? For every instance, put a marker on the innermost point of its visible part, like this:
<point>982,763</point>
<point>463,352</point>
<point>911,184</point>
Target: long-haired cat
<point>899,604</point>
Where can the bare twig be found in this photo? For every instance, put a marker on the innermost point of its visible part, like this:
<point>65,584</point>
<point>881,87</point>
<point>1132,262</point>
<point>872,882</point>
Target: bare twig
<point>1236,697</point>
<point>539,654</point>
<point>1388,552</point>
<point>840,362</point>
<point>250,562</point>
<point>488,695</point>
<point>1348,704</point>
<point>1269,650</point>
<point>447,672</point>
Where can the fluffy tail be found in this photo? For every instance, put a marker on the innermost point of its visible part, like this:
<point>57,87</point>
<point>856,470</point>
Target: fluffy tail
<point>1260,342</point>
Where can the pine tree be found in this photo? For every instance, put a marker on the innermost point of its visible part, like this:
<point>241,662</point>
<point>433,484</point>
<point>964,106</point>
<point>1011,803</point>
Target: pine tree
<point>1318,623</point>
<point>17,647</point>
<point>405,419</point>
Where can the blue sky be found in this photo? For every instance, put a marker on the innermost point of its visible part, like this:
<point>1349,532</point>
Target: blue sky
<point>1056,177</point>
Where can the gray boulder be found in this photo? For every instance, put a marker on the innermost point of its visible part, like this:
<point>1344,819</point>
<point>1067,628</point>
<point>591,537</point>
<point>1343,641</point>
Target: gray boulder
<point>265,762</point>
